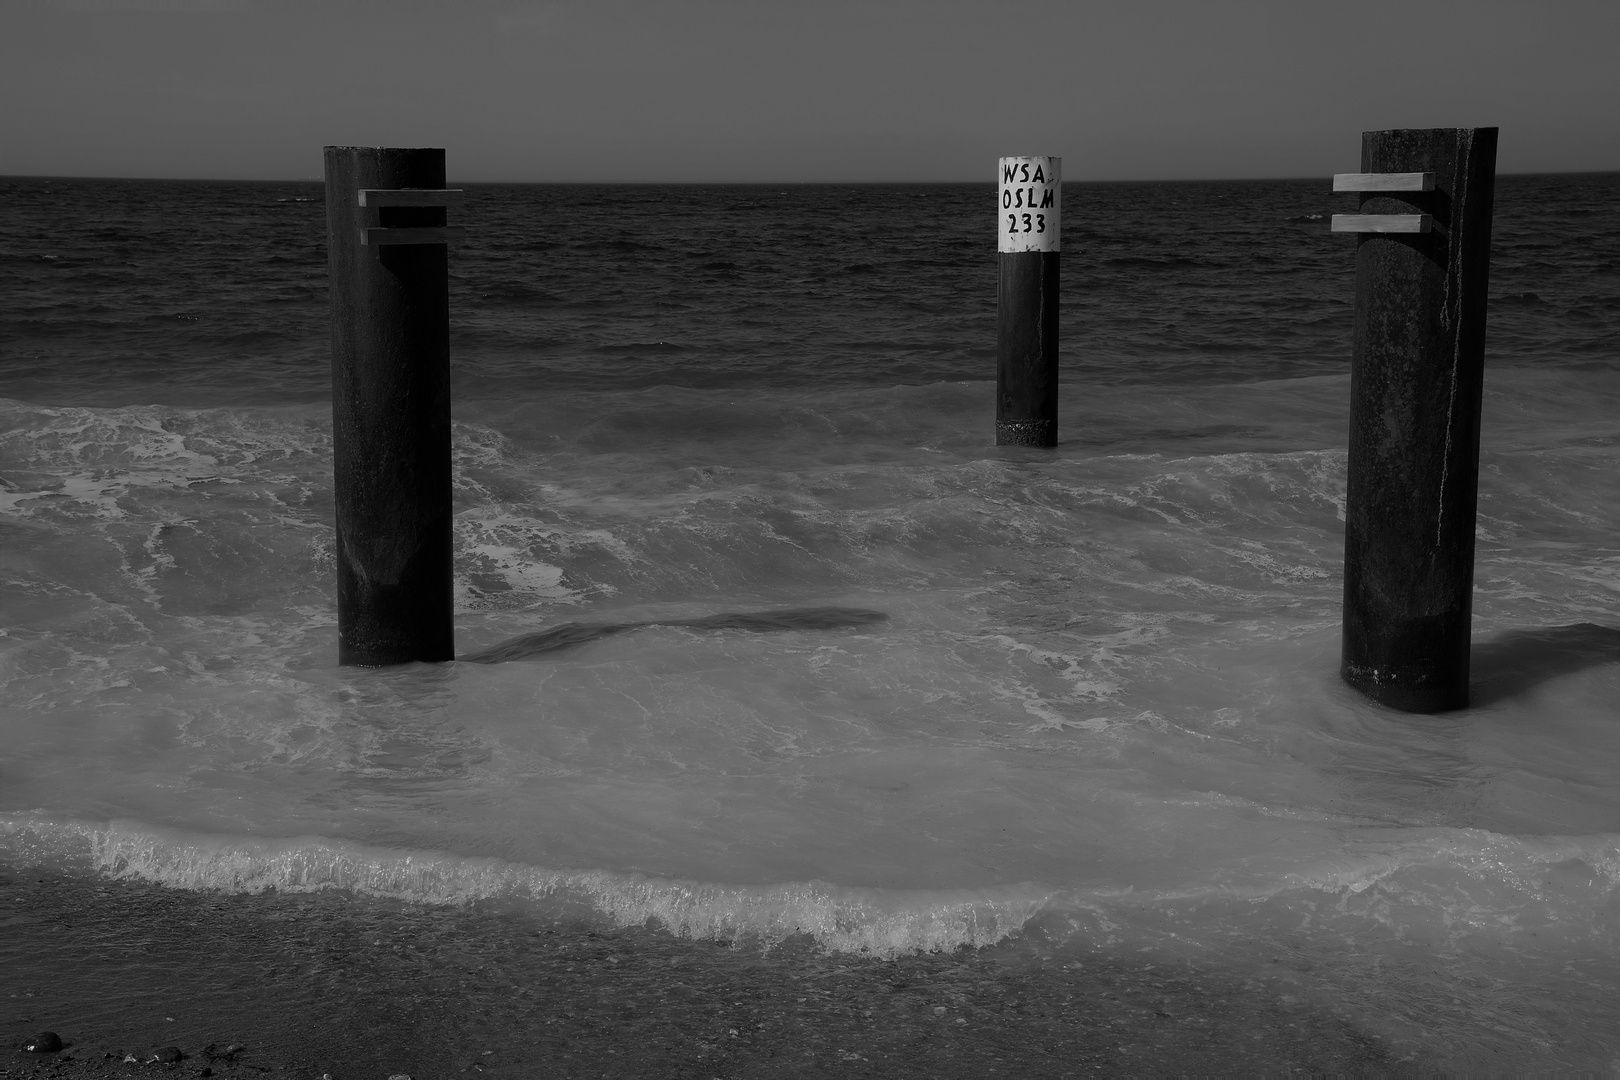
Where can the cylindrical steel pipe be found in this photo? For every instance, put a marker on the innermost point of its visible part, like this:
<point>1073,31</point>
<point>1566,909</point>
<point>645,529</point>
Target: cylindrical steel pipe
<point>390,411</point>
<point>1029,226</point>
<point>1416,381</point>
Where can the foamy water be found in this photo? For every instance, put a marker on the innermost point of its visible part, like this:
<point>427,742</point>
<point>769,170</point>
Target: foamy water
<point>1102,713</point>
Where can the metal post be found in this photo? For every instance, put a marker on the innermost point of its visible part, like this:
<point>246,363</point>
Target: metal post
<point>1029,224</point>
<point>1422,268</point>
<point>386,235</point>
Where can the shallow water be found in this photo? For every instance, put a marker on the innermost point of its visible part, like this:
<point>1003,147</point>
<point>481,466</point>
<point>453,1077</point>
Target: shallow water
<point>1101,715</point>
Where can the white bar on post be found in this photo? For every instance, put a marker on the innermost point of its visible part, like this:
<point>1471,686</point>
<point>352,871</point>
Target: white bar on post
<point>1382,223</point>
<point>1372,181</point>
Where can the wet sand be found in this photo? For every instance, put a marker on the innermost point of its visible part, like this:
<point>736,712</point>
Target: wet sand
<point>357,987</point>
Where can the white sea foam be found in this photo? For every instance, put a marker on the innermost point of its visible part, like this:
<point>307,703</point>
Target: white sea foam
<point>841,919</point>
<point>1489,883</point>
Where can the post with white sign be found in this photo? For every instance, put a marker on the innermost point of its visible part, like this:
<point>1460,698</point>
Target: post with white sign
<point>1029,224</point>
<point>1423,256</point>
<point>390,297</point>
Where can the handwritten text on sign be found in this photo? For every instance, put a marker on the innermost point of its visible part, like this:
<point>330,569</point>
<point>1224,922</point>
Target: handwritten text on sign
<point>1031,203</point>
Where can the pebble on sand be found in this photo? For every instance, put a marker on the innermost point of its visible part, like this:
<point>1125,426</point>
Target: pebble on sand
<point>46,1042</point>
<point>167,1055</point>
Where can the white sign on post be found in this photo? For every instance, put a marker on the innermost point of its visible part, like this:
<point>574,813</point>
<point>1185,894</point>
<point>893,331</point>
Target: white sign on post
<point>1031,204</point>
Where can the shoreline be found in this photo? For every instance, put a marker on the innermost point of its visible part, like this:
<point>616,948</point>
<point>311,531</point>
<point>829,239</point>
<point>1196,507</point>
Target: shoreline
<point>357,987</point>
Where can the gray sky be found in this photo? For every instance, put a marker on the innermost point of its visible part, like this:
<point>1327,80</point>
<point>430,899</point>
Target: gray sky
<point>728,90</point>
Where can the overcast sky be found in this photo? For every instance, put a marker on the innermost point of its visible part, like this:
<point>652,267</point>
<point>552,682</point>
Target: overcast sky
<point>817,90</point>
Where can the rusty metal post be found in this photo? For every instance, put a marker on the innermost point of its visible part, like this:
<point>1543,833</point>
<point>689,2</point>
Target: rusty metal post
<point>1422,268</point>
<point>1029,226</point>
<point>386,234</point>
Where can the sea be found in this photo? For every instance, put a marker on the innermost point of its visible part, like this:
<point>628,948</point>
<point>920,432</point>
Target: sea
<point>1071,703</point>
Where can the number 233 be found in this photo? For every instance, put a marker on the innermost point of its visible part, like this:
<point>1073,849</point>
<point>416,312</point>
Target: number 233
<point>1037,226</point>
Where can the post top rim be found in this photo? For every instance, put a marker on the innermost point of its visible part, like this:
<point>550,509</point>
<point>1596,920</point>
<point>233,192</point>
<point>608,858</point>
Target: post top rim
<point>1390,131</point>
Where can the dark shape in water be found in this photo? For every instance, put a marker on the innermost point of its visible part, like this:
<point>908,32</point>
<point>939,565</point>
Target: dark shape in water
<point>568,635</point>
<point>46,1042</point>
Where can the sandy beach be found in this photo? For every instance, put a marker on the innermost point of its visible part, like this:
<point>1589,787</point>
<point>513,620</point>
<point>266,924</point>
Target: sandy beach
<point>356,987</point>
